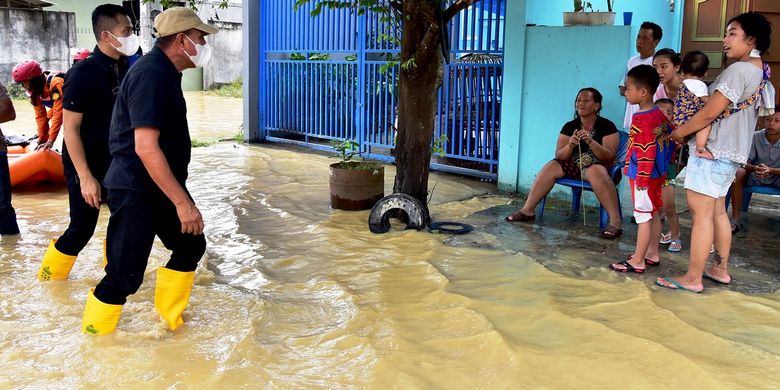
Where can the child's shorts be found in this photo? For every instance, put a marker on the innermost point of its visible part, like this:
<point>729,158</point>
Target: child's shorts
<point>653,191</point>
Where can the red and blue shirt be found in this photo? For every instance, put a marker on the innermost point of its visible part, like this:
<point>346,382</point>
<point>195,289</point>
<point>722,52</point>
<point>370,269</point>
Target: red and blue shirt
<point>650,150</point>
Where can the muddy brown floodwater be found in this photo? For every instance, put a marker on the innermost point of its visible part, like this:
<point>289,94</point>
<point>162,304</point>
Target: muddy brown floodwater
<point>292,294</point>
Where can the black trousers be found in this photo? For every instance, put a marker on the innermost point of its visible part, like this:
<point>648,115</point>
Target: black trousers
<point>136,218</point>
<point>83,219</point>
<point>7,213</point>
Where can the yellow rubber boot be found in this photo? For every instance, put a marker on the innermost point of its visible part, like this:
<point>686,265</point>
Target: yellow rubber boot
<point>99,318</point>
<point>104,262</point>
<point>171,294</point>
<point>55,265</point>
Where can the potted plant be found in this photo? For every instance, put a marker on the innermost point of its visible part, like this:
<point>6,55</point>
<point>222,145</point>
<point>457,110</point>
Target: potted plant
<point>355,184</point>
<point>591,18</point>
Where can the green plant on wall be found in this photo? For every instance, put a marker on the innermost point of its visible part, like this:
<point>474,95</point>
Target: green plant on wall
<point>193,4</point>
<point>580,6</point>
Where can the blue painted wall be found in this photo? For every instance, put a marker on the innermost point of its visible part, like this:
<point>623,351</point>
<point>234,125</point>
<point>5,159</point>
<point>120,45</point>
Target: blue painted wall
<point>549,13</point>
<point>543,70</point>
<point>556,67</point>
<point>512,96</point>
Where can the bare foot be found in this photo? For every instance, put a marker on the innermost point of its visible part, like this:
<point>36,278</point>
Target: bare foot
<point>718,274</point>
<point>704,153</point>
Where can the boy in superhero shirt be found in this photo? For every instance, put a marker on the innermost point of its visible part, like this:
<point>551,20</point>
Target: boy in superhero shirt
<point>647,163</point>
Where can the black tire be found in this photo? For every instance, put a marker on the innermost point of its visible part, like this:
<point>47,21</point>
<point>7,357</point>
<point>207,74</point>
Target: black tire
<point>450,227</point>
<point>415,213</point>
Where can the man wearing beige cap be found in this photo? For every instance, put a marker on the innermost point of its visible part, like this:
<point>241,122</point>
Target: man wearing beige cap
<point>147,194</point>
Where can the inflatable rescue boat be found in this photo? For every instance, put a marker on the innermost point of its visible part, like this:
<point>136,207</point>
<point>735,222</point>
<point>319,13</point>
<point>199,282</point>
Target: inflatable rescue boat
<point>30,168</point>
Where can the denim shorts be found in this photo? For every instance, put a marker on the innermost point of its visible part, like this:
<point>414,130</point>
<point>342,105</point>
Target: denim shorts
<point>710,177</point>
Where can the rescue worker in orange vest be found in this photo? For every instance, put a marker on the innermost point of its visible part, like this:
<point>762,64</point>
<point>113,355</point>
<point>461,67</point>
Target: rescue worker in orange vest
<point>45,90</point>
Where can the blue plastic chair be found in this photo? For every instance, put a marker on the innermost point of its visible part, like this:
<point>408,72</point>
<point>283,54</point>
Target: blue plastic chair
<point>747,194</point>
<point>577,186</point>
<point>576,194</point>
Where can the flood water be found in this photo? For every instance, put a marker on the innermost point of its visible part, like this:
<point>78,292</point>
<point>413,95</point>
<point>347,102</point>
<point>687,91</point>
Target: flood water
<point>292,294</point>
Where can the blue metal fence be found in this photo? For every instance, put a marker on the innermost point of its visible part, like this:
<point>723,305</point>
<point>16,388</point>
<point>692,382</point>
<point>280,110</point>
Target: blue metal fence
<point>328,77</point>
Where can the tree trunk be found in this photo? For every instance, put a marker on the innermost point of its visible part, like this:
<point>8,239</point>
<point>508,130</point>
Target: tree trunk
<point>417,89</point>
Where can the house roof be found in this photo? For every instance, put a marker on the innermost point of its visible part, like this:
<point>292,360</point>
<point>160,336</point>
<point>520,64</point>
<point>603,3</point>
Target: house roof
<point>26,3</point>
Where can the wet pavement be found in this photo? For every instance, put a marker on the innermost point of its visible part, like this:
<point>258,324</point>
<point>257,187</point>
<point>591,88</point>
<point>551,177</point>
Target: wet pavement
<point>576,250</point>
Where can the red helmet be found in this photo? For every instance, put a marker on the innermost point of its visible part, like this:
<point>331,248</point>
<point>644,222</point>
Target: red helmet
<point>26,71</point>
<point>81,54</point>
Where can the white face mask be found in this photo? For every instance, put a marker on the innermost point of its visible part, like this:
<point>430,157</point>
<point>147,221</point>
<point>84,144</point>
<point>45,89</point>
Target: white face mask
<point>202,55</point>
<point>130,44</point>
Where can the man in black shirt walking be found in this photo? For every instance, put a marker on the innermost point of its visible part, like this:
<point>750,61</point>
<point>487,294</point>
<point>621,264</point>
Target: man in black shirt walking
<point>147,193</point>
<point>88,98</point>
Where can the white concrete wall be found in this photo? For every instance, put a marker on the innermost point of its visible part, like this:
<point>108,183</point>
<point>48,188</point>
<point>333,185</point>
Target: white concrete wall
<point>44,36</point>
<point>226,63</point>
<point>85,37</point>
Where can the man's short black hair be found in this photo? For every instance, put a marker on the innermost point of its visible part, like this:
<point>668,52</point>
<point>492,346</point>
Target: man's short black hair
<point>695,63</point>
<point>657,32</point>
<point>104,18</point>
<point>644,76</point>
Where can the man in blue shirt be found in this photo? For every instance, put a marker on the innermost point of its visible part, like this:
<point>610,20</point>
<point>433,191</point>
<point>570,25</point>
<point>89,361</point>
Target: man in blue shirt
<point>146,181</point>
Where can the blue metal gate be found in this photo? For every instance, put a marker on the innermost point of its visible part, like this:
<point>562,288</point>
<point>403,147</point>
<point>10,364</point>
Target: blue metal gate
<point>332,77</point>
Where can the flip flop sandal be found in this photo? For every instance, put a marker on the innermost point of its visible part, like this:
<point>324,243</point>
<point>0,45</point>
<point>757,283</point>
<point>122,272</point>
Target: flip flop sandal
<point>675,246</point>
<point>665,238</point>
<point>674,285</point>
<point>611,232</point>
<point>735,227</point>
<point>649,262</point>
<point>628,268</point>
<point>520,217</point>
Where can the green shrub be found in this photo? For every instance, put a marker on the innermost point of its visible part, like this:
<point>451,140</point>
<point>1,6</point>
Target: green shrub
<point>15,90</point>
<point>196,143</point>
<point>235,89</point>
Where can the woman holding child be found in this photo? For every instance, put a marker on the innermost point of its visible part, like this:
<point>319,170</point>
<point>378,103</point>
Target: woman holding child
<point>734,102</point>
<point>586,148</point>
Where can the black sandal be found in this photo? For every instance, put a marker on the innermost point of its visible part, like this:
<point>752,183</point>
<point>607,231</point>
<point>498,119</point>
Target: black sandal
<point>629,268</point>
<point>520,217</point>
<point>610,232</point>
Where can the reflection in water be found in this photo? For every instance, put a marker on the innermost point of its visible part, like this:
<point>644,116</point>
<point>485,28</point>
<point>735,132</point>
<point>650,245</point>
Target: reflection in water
<point>294,295</point>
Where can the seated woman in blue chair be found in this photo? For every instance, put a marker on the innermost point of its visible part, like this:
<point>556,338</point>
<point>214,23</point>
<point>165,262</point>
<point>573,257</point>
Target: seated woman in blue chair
<point>586,149</point>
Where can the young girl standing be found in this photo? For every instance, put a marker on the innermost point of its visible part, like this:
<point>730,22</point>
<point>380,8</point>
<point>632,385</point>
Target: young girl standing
<point>667,63</point>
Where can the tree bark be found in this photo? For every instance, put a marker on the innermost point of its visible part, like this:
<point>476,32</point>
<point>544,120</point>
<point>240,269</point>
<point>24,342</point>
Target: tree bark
<point>417,89</point>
